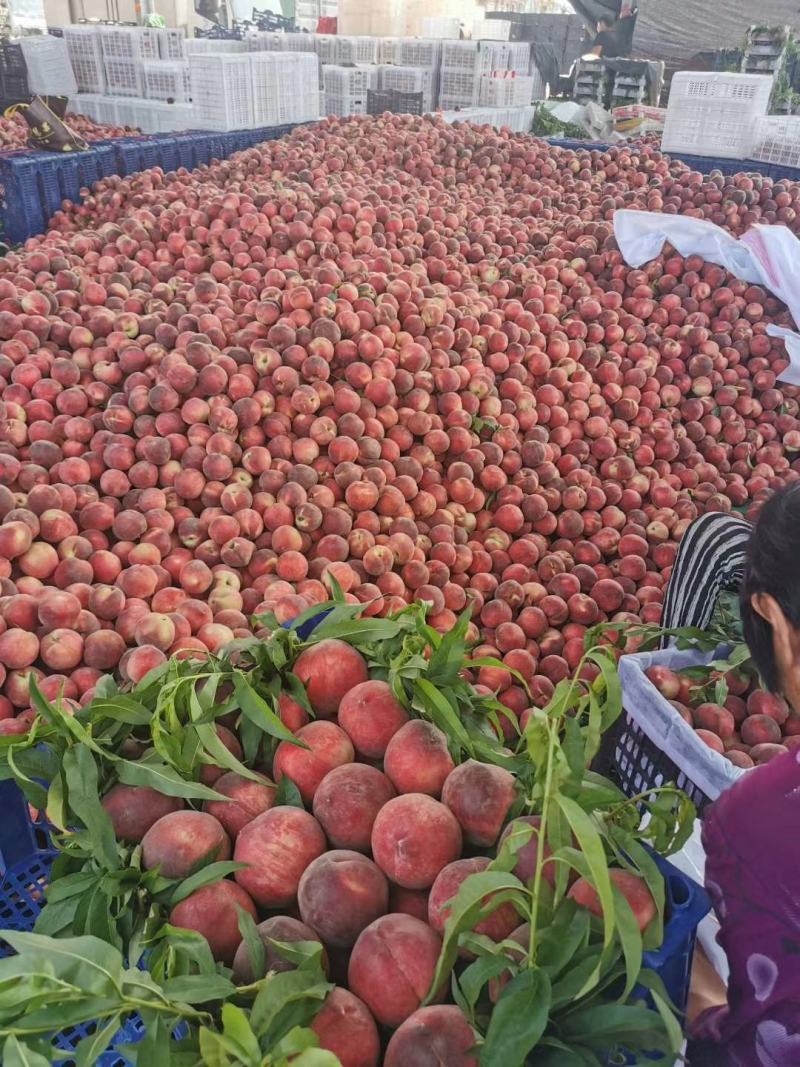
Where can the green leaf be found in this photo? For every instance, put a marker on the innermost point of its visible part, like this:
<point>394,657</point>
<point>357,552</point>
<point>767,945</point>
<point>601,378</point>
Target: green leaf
<point>165,779</point>
<point>198,988</point>
<point>288,794</point>
<point>18,1055</point>
<point>214,872</point>
<point>285,1000</point>
<point>89,1050</point>
<point>253,943</point>
<point>97,965</point>
<point>83,791</point>
<point>316,1057</point>
<point>518,1020</point>
<point>121,708</point>
<point>236,1027</point>
<point>258,711</point>
<point>439,709</point>
<point>220,755</point>
<point>468,907</point>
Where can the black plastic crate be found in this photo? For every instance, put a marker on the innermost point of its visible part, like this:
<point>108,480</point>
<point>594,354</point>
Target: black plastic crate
<point>13,72</point>
<point>380,100</point>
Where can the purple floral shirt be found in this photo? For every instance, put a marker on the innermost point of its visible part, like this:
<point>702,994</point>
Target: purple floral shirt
<point>751,836</point>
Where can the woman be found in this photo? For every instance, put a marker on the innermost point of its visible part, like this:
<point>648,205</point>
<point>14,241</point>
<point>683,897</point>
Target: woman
<point>751,834</point>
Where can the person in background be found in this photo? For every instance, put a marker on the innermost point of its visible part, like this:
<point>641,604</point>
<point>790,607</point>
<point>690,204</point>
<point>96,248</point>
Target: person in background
<point>606,43</point>
<point>750,832</point>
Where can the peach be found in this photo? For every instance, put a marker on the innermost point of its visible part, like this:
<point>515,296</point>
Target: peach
<point>280,928</point>
<point>182,842</point>
<point>417,759</point>
<point>248,799</point>
<point>371,715</point>
<point>18,648</point>
<point>760,729</point>
<point>665,681</point>
<point>103,649</point>
<point>392,967</point>
<point>133,809</point>
<point>632,886</point>
<point>496,926</point>
<point>711,740</point>
<point>716,719</point>
<point>340,894</point>
<point>413,838</point>
<point>409,901</point>
<point>345,1027</point>
<point>292,714</point>
<point>439,1034</point>
<point>328,670</point>
<point>277,846</point>
<point>328,747</point>
<point>347,802</point>
<point>213,911</point>
<point>762,703</point>
<point>61,649</point>
<point>59,609</point>
<point>765,752</point>
<point>479,795</point>
<point>525,866</point>
<point>741,759</point>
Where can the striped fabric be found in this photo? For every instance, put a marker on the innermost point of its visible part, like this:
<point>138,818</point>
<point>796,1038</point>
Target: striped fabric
<point>711,559</point>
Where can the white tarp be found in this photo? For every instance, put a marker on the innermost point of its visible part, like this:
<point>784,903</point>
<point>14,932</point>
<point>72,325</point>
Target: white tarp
<point>765,255</point>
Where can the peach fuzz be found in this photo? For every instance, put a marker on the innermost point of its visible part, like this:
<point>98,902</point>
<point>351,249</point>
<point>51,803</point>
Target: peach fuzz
<point>277,847</point>
<point>328,670</point>
<point>213,912</point>
<point>417,759</point>
<point>345,1027</point>
<point>371,715</point>
<point>326,746</point>
<point>479,795</point>
<point>347,802</point>
<point>133,809</point>
<point>413,838</point>
<point>182,842</point>
<point>341,893</point>
<point>392,967</point>
<point>248,799</point>
<point>438,1034</point>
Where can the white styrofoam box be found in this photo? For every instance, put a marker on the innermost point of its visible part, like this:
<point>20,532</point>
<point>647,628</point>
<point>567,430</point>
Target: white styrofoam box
<point>356,49</point>
<point>715,114</point>
<point>442,28</point>
<point>497,91</point>
<point>409,80</point>
<point>123,77</point>
<point>457,88</point>
<point>460,55</point>
<point>195,45</point>
<point>504,55</point>
<point>222,91</point>
<point>171,44</point>
<point>413,52</point>
<point>86,104</point>
<point>86,58</point>
<point>49,70</point>
<point>166,79</point>
<point>128,42</point>
<point>491,29</point>
<point>778,140</point>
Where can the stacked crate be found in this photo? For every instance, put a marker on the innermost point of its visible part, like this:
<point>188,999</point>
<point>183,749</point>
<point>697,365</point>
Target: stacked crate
<point>125,49</point>
<point>222,91</point>
<point>459,75</point>
<point>285,87</point>
<point>766,51</point>
<point>168,80</point>
<point>48,67</point>
<point>346,89</point>
<point>356,50</point>
<point>505,90</point>
<point>715,114</point>
<point>591,82</point>
<point>86,58</point>
<point>409,80</point>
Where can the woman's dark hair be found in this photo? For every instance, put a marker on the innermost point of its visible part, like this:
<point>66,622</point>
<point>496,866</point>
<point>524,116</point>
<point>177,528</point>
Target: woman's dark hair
<point>773,566</point>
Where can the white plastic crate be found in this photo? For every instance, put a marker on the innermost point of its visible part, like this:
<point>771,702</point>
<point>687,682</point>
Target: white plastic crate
<point>460,55</point>
<point>222,91</point>
<point>171,118</point>
<point>539,84</point>
<point>166,79</point>
<point>123,77</point>
<point>86,58</point>
<point>386,51</point>
<point>262,41</point>
<point>171,44</point>
<point>296,42</point>
<point>128,42</point>
<point>777,140</point>
<point>413,52</point>
<point>344,81</point>
<point>497,91</point>
<point>356,49</point>
<point>457,89</point>
<point>491,29</point>
<point>409,80</point>
<point>49,69</point>
<point>325,47</point>
<point>504,55</point>
<point>715,114</point>
<point>517,119</point>
<point>285,87</point>
<point>87,104</point>
<point>209,45</point>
